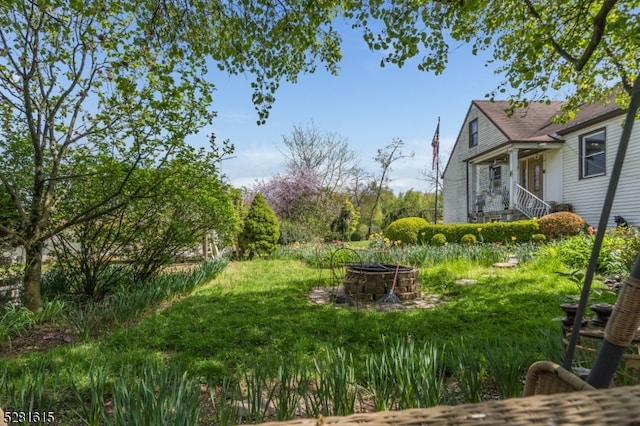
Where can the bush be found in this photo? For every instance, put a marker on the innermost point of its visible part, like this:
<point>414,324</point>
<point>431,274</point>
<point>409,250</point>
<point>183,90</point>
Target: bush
<point>561,224</point>
<point>498,232</point>
<point>261,230</point>
<point>438,240</point>
<point>468,239</point>
<point>293,233</point>
<point>538,238</point>
<point>356,236</point>
<point>405,229</point>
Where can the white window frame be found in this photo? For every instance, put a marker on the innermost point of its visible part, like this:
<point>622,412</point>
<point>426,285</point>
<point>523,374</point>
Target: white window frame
<point>596,137</point>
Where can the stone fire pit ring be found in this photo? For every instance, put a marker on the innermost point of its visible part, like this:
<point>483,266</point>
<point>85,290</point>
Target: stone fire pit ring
<point>369,282</point>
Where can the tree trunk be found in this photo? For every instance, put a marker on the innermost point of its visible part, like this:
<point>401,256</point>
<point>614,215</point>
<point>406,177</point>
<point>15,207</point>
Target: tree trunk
<point>31,296</point>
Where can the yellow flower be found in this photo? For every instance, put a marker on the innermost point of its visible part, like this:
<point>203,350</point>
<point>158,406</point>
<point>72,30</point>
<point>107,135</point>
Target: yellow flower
<point>397,242</point>
<point>479,229</point>
<point>513,238</point>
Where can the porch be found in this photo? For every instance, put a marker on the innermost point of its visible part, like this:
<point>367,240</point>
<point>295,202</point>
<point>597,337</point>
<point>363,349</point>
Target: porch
<point>496,207</point>
<point>508,183</point>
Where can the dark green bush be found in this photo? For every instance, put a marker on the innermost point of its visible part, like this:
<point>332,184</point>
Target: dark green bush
<point>261,230</point>
<point>438,240</point>
<point>405,229</point>
<point>356,236</point>
<point>561,224</point>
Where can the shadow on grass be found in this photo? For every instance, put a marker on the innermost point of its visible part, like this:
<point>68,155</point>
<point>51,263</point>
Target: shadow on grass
<point>221,330</point>
<point>218,333</point>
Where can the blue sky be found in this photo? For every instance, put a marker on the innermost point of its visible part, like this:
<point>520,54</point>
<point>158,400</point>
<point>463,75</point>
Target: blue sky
<point>366,104</point>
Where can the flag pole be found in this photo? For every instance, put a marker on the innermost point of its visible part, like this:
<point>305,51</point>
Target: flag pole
<point>435,144</point>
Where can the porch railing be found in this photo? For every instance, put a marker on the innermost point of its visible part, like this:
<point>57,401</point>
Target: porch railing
<point>529,204</point>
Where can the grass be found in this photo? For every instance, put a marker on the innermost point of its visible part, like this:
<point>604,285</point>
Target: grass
<point>257,314</point>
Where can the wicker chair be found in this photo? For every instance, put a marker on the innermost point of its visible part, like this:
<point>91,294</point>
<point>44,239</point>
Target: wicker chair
<point>614,406</point>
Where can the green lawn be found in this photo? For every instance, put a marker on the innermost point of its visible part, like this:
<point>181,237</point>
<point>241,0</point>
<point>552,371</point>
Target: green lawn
<point>256,312</point>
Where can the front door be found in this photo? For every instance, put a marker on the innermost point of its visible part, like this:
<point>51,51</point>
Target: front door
<point>535,176</point>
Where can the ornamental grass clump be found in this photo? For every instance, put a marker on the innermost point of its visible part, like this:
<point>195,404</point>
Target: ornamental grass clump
<point>507,363</point>
<point>471,371</point>
<point>26,391</point>
<point>333,391</point>
<point>14,320</point>
<point>153,395</point>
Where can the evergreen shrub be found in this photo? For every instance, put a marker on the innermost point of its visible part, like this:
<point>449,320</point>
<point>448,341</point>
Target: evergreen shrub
<point>261,230</point>
<point>405,229</point>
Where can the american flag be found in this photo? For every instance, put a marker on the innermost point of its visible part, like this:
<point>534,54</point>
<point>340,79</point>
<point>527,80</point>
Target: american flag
<point>435,144</point>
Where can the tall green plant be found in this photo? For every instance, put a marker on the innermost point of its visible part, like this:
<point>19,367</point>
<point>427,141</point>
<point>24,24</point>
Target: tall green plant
<point>27,392</point>
<point>92,399</point>
<point>261,230</point>
<point>14,320</point>
<point>333,389</point>
<point>419,374</point>
<point>507,364</point>
<point>471,371</point>
<point>152,396</point>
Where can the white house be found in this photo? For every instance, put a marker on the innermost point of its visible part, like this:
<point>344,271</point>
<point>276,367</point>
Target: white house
<point>509,167</point>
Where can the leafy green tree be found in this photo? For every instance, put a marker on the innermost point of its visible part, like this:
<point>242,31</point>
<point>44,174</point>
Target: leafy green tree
<point>409,204</point>
<point>83,87</point>
<point>588,50</point>
<point>261,230</point>
<point>183,202</point>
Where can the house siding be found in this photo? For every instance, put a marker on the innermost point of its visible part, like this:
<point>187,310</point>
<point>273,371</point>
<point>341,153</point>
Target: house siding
<point>587,195</point>
<point>457,197</point>
<point>553,176</point>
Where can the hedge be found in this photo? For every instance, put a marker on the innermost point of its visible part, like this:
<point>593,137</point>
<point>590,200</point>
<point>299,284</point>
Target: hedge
<point>504,232</point>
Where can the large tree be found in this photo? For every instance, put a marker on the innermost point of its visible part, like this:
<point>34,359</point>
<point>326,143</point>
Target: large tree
<point>585,49</point>
<point>326,155</point>
<point>83,84</point>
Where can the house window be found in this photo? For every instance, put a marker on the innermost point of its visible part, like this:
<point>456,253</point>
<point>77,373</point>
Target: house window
<point>473,133</point>
<point>495,174</point>
<point>592,154</point>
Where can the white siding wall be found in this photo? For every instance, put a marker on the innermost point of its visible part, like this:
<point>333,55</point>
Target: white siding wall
<point>553,176</point>
<point>587,195</point>
<point>456,195</point>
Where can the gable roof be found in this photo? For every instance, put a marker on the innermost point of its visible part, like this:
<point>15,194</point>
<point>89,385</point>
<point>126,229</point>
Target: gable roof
<point>534,123</point>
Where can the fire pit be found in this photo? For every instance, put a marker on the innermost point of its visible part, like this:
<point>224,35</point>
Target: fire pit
<point>370,282</point>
